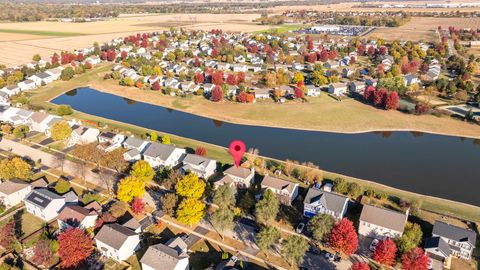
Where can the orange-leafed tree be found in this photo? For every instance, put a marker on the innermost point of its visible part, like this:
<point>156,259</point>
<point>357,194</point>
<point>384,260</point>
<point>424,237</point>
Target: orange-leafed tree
<point>74,247</point>
<point>343,237</point>
<point>385,252</point>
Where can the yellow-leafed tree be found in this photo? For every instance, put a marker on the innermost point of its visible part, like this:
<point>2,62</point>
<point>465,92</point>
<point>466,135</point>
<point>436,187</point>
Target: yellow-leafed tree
<point>190,211</point>
<point>129,188</point>
<point>190,186</point>
<point>60,131</point>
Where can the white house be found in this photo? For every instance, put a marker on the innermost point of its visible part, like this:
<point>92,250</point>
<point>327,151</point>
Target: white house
<point>322,202</point>
<point>460,241</point>
<point>379,222</point>
<point>337,89</point>
<point>158,154</point>
<point>11,90</point>
<point>13,192</point>
<point>238,177</point>
<point>117,242</point>
<point>82,135</point>
<point>94,60</point>
<point>55,72</point>
<point>4,98</point>
<point>410,79</point>
<point>312,90</point>
<point>109,141</point>
<point>41,78</point>
<point>135,148</point>
<point>76,216</point>
<point>26,85</point>
<point>286,191</point>
<point>201,166</point>
<point>171,256</point>
<point>261,93</point>
<point>41,122</point>
<point>44,203</point>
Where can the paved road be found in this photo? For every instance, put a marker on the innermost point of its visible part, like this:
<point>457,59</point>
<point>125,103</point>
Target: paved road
<point>50,160</point>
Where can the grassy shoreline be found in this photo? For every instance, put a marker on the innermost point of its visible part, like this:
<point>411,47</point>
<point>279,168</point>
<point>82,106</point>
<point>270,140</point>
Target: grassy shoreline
<point>42,97</point>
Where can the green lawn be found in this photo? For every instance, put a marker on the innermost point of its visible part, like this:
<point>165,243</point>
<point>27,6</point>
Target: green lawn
<point>41,33</point>
<point>280,29</point>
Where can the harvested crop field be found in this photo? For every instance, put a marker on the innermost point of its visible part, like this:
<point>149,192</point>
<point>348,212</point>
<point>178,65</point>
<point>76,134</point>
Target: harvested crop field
<point>20,41</point>
<point>423,28</point>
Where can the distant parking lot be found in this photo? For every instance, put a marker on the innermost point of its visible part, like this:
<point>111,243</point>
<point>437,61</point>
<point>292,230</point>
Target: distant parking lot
<point>461,110</point>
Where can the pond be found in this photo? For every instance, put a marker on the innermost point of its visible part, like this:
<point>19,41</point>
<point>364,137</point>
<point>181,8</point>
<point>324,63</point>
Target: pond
<point>436,165</point>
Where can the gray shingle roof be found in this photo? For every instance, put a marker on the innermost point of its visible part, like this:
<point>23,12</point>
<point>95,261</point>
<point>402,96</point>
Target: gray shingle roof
<point>384,217</point>
<point>238,171</point>
<point>42,197</point>
<point>458,234</point>
<point>162,257</point>
<point>114,235</point>
<point>332,201</point>
<point>133,142</point>
<point>12,186</point>
<point>162,151</point>
<point>438,244</point>
<point>277,183</point>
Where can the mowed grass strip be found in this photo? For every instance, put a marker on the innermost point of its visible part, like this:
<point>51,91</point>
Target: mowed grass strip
<point>41,33</point>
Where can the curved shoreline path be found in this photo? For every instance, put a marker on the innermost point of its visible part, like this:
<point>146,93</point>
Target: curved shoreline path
<point>435,165</point>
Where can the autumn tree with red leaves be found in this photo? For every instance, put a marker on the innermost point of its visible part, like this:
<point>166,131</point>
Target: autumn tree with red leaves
<point>369,93</point>
<point>361,49</point>
<point>312,58</point>
<point>385,252</point>
<point>343,237</point>
<point>299,93</point>
<point>371,51</point>
<point>214,53</point>
<point>242,97</point>
<point>199,78</point>
<point>217,78</point>
<point>138,206</point>
<point>360,266</point>
<point>110,55</point>
<point>391,103</point>
<point>88,65</point>
<point>332,55</point>
<point>74,247</point>
<point>415,259</point>
<point>201,151</point>
<point>80,56</point>
<point>123,55</point>
<point>54,60</point>
<point>7,235</point>
<point>379,97</point>
<point>324,55</point>
<point>156,86</point>
<point>241,77</point>
<point>232,79</point>
<point>352,61</point>
<point>217,94</point>
<point>42,253</point>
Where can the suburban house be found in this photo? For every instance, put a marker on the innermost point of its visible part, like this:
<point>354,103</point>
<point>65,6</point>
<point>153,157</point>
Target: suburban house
<point>117,242</point>
<point>379,222</point>
<point>171,256</point>
<point>139,226</point>
<point>4,98</point>
<point>322,202</point>
<point>26,85</point>
<point>41,122</point>
<point>109,141</point>
<point>238,177</point>
<point>83,135</point>
<point>337,89</point>
<point>261,93</point>
<point>158,154</point>
<point>356,86</point>
<point>76,216</point>
<point>461,242</point>
<point>94,60</point>
<point>201,166</point>
<point>44,203</point>
<point>439,252</point>
<point>410,79</point>
<point>55,72</point>
<point>135,148</point>
<point>40,78</point>
<point>312,90</point>
<point>286,191</point>
<point>13,192</point>
<point>11,90</point>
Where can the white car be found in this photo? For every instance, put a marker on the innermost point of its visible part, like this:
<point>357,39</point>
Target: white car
<point>373,245</point>
<point>329,256</point>
<point>300,227</point>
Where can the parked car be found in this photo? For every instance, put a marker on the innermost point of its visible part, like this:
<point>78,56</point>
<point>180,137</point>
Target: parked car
<point>373,245</point>
<point>314,250</point>
<point>300,227</point>
<point>329,256</point>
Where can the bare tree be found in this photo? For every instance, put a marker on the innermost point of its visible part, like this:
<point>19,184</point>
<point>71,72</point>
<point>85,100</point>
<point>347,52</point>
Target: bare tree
<point>108,179</point>
<point>60,161</point>
<point>251,156</point>
<point>288,167</point>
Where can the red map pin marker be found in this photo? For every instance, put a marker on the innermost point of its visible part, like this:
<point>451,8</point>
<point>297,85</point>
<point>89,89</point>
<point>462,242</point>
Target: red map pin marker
<point>237,149</point>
